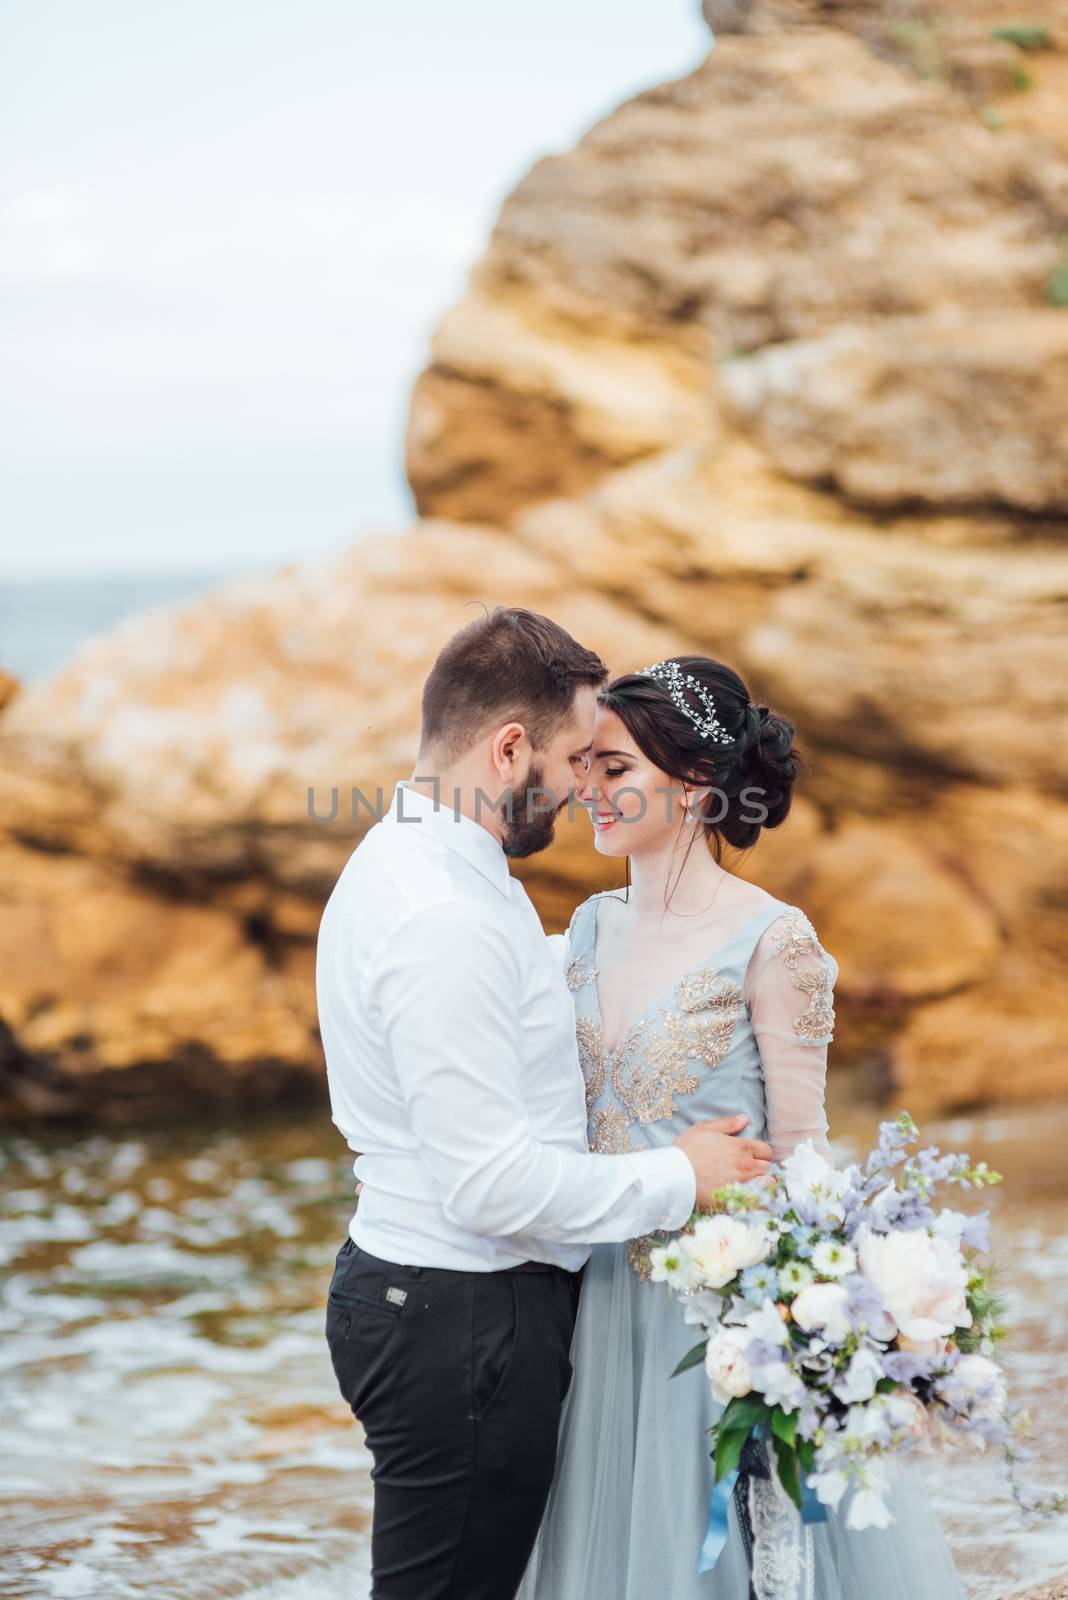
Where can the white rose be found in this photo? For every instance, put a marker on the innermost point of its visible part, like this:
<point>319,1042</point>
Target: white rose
<point>720,1247</point>
<point>821,1308</point>
<point>725,1363</point>
<point>922,1280</point>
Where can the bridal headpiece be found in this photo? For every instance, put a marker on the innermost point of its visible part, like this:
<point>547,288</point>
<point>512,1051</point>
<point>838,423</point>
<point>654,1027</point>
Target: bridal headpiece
<point>679,685</point>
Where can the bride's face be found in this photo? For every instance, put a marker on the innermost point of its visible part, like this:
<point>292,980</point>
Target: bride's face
<point>633,805</point>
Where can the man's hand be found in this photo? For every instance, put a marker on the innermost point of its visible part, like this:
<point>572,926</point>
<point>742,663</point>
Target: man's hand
<point>718,1156</point>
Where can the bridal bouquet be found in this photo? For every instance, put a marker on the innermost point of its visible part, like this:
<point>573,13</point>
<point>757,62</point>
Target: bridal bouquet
<point>848,1321</point>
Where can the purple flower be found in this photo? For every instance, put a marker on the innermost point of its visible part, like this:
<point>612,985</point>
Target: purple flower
<point>758,1352</point>
<point>906,1367</point>
<point>864,1305</point>
<point>975,1233</point>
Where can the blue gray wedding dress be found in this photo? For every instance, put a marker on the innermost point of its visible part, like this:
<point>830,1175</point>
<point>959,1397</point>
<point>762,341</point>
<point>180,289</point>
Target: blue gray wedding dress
<point>747,1030</point>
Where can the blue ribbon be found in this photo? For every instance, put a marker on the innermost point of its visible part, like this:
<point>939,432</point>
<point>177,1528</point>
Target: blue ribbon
<point>812,1508</point>
<point>716,1532</point>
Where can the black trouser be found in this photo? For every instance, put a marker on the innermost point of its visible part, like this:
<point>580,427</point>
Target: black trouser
<point>457,1379</point>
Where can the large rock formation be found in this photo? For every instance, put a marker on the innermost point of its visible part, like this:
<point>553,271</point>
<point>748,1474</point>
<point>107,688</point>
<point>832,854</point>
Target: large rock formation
<point>773,365</point>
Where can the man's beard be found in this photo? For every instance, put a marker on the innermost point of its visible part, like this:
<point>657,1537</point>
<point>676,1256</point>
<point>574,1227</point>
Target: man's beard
<point>532,828</point>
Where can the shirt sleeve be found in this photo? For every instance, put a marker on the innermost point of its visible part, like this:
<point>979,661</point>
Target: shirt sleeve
<point>449,987</point>
<point>789,990</point>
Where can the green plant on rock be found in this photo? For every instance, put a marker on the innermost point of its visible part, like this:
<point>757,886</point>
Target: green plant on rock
<point>1057,287</point>
<point>1025,35</point>
<point>919,41</point>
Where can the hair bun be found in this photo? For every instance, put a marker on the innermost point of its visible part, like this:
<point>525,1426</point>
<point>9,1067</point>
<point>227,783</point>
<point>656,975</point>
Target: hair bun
<point>756,717</point>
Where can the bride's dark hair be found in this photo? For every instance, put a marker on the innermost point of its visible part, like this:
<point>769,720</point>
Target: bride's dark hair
<point>750,779</point>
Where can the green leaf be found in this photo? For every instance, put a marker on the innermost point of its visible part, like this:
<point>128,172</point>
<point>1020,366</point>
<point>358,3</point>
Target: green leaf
<point>744,1413</point>
<point>788,1475</point>
<point>692,1358</point>
<point>806,1454</point>
<point>728,1449</point>
<point>784,1425</point>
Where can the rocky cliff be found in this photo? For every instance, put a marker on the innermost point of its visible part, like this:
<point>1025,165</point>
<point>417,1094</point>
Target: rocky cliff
<point>774,365</point>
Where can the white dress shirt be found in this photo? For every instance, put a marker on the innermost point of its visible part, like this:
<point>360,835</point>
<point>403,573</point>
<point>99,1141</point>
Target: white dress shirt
<point>449,1035</point>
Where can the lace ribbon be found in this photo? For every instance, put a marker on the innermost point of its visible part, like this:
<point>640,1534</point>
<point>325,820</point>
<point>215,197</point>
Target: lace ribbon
<point>778,1542</point>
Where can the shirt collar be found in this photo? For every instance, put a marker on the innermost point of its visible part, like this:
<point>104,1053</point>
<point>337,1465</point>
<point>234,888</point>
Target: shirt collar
<point>463,834</point>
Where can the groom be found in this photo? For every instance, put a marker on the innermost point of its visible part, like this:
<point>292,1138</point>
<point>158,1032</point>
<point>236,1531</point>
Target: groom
<point>449,1035</point>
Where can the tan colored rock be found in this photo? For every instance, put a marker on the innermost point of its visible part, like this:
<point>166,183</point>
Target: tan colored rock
<point>1057,1590</point>
<point>9,685</point>
<point>972,411</point>
<point>517,406</point>
<point>855,544</point>
<point>975,49</point>
<point>889,641</point>
<point>103,980</point>
<point>1001,1041</point>
<point>186,741</point>
<point>906,928</point>
<point>789,186</point>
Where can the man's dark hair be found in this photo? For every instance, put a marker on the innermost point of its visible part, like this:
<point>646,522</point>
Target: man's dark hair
<point>510,665</point>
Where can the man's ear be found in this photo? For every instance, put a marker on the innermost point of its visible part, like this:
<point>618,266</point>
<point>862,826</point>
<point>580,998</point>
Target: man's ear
<point>506,750</point>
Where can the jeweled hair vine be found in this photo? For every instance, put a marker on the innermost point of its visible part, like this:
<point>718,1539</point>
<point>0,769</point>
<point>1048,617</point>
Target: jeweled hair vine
<point>680,686</point>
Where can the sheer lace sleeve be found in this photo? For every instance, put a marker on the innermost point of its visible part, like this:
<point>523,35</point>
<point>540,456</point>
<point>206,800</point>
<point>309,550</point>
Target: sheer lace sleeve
<point>561,945</point>
<point>789,990</point>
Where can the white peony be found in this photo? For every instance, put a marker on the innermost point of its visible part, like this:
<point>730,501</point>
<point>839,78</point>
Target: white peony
<point>725,1363</point>
<point>821,1308</point>
<point>922,1280</point>
<point>721,1246</point>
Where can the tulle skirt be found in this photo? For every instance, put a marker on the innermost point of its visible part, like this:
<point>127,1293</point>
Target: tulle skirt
<point>629,1504</point>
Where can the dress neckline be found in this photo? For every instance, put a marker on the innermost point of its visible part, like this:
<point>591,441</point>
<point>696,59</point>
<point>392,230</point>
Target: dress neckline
<point>659,999</point>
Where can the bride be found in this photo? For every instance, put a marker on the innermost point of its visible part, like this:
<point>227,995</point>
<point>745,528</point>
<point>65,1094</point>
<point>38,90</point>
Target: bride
<point>696,995</point>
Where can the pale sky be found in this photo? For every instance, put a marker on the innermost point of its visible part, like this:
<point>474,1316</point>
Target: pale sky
<point>227,228</point>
